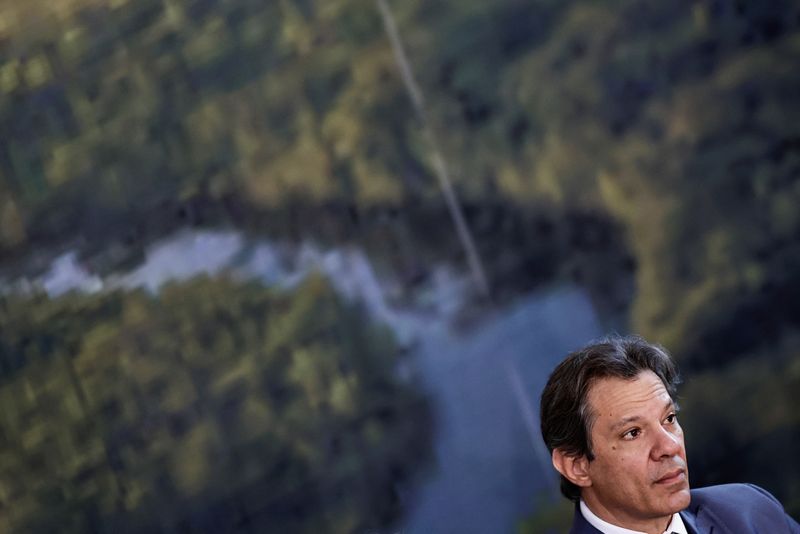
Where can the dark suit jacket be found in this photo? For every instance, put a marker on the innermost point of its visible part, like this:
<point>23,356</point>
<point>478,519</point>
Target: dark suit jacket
<point>726,509</point>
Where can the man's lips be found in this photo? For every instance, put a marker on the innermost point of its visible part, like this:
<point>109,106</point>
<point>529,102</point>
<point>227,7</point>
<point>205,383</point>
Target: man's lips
<point>670,477</point>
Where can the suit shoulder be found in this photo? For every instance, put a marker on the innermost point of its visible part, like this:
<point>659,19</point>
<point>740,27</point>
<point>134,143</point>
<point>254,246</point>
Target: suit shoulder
<point>740,508</point>
<point>733,491</point>
<point>735,496</point>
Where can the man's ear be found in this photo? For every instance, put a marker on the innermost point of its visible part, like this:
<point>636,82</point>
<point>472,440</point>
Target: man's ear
<point>574,468</point>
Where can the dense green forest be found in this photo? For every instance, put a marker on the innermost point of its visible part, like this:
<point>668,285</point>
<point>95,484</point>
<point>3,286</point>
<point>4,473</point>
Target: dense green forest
<point>672,127</point>
<point>214,406</point>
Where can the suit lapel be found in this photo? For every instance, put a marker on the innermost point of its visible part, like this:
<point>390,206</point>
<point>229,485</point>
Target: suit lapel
<point>690,521</point>
<point>698,521</point>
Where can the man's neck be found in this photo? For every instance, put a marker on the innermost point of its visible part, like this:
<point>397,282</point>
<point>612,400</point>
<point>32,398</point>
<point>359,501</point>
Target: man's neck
<point>654,526</point>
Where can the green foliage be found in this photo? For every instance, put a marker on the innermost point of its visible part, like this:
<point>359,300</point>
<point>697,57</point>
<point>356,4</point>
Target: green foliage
<point>551,517</point>
<point>176,99</point>
<point>710,229</point>
<point>214,404</point>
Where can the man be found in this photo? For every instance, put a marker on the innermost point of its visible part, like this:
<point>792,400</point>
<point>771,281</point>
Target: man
<point>609,419</point>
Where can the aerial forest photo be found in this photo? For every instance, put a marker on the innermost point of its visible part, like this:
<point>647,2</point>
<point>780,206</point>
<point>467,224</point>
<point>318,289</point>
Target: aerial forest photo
<point>304,266</point>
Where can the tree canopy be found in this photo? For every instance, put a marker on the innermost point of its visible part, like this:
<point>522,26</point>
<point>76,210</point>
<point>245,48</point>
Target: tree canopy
<point>214,406</point>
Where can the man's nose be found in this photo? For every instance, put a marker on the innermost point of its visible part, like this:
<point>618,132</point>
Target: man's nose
<point>667,444</point>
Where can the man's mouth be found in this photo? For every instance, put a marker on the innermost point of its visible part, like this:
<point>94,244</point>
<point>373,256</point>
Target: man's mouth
<point>671,477</point>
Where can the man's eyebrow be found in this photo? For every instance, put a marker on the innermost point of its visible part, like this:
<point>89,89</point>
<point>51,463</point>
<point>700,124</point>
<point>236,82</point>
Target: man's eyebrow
<point>625,421</point>
<point>669,405</point>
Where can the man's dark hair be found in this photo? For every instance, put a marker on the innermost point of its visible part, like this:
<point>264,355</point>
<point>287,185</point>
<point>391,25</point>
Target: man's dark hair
<point>566,417</point>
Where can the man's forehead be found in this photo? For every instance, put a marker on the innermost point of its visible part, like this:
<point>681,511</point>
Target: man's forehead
<point>615,397</point>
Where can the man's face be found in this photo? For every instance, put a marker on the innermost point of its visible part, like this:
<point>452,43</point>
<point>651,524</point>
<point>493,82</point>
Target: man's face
<point>639,474</point>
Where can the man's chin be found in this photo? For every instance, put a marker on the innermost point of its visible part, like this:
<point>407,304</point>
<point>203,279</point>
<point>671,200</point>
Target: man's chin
<point>679,499</point>
<point>675,487</point>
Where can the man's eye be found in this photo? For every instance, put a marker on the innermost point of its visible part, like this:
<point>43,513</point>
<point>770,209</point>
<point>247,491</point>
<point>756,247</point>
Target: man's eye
<point>672,418</point>
<point>633,433</point>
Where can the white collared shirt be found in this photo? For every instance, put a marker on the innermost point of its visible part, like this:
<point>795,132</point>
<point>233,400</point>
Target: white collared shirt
<point>676,525</point>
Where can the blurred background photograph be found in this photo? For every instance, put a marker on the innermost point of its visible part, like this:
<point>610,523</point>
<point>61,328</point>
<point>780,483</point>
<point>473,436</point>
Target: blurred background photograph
<point>304,266</point>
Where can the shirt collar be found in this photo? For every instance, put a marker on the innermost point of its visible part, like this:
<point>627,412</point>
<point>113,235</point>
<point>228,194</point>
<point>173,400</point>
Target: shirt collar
<point>676,525</point>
